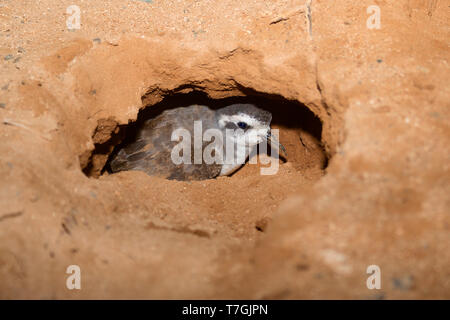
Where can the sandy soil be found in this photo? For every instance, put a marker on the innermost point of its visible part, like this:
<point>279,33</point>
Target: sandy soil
<point>368,184</point>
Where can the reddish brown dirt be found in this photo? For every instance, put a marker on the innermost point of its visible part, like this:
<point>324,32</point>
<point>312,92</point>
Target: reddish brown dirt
<point>383,99</point>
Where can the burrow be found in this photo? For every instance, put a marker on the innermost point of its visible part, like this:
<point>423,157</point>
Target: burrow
<point>123,85</point>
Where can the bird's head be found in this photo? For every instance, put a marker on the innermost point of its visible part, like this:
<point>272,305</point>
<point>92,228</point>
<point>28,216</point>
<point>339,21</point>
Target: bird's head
<point>249,124</point>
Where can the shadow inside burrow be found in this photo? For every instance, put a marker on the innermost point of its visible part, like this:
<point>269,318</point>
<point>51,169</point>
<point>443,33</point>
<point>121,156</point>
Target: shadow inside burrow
<point>286,114</point>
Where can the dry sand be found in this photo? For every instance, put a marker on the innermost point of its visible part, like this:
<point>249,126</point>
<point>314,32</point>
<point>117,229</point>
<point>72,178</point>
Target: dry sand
<point>371,188</point>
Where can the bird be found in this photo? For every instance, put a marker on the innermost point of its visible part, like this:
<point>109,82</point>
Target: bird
<point>152,149</point>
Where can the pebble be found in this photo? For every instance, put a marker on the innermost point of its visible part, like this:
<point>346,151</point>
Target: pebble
<point>403,283</point>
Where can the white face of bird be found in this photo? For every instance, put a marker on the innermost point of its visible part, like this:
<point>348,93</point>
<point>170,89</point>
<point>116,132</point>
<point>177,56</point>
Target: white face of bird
<point>244,129</point>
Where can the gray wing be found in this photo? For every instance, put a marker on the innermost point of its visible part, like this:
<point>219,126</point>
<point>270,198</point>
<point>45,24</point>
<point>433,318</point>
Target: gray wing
<point>151,152</point>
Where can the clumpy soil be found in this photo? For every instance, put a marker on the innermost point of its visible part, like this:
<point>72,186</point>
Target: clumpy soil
<point>363,114</point>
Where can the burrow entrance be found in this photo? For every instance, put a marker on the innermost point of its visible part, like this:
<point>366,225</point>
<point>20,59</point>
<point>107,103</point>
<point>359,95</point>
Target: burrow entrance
<point>300,130</point>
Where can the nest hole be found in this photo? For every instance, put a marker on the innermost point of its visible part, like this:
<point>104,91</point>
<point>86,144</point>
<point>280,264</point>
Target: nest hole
<point>300,130</point>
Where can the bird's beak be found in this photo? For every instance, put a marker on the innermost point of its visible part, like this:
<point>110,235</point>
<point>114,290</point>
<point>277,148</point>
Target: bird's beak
<point>271,138</point>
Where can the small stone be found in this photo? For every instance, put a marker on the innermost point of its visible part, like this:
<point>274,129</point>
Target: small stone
<point>434,115</point>
<point>379,296</point>
<point>34,197</point>
<point>379,60</point>
<point>261,224</point>
<point>2,105</point>
<point>97,40</point>
<point>403,283</point>
<point>8,57</point>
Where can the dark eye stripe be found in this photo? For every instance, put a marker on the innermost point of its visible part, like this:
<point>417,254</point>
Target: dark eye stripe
<point>231,125</point>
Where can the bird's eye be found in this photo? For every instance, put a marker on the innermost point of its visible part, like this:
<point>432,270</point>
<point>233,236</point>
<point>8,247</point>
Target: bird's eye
<point>242,125</point>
